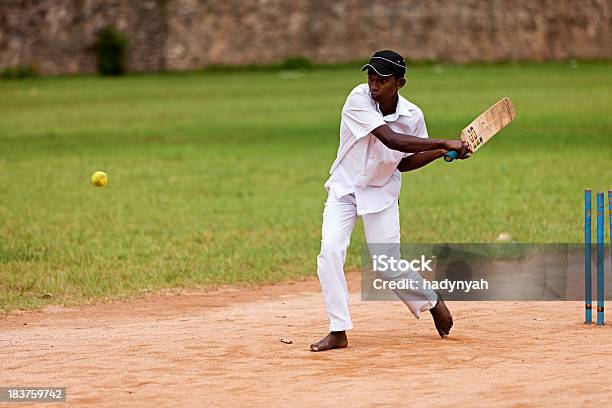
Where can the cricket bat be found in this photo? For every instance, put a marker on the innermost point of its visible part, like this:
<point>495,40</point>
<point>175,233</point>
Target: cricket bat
<point>485,126</point>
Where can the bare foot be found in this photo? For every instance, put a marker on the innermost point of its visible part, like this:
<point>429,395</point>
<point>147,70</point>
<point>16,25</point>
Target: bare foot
<point>333,340</point>
<point>442,317</point>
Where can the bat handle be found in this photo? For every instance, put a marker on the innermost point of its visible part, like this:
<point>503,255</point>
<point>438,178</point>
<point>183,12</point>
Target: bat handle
<point>450,156</point>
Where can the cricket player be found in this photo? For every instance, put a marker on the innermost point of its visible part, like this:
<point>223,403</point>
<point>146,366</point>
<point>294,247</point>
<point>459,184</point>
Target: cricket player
<point>381,135</point>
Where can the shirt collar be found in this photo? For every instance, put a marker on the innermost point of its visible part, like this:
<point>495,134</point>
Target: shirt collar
<point>402,109</point>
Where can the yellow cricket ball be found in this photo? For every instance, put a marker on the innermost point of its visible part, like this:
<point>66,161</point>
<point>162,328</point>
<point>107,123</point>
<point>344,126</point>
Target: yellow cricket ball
<point>99,179</point>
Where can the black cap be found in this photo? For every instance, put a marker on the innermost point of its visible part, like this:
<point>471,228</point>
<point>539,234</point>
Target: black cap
<point>387,63</point>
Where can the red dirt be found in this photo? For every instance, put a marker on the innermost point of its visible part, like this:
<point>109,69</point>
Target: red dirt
<point>224,348</point>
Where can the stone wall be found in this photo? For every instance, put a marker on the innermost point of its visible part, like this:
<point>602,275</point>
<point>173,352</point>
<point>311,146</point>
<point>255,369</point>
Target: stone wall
<point>56,36</point>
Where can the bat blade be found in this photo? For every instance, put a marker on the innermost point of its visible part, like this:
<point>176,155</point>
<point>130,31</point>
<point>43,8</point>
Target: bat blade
<point>486,125</point>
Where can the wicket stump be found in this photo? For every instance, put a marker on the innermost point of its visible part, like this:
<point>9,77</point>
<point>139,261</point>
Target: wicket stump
<point>600,256</point>
<point>588,309</point>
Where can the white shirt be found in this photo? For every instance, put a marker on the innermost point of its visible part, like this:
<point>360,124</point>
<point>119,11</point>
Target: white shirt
<point>364,166</point>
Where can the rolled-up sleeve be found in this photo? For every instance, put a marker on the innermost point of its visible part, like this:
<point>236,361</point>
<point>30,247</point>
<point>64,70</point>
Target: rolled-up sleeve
<point>360,116</point>
<point>420,130</point>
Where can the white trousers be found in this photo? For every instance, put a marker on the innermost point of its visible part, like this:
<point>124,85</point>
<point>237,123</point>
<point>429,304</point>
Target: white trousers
<point>382,227</point>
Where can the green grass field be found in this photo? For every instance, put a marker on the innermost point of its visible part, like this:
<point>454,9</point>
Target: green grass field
<point>217,178</point>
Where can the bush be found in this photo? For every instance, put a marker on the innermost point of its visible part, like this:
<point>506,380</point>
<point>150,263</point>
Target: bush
<point>111,51</point>
<point>18,72</point>
<point>295,63</point>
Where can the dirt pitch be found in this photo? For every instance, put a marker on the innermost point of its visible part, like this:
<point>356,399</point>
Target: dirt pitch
<point>224,348</point>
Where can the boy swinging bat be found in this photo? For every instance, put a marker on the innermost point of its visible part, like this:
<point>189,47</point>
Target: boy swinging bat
<point>381,135</point>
